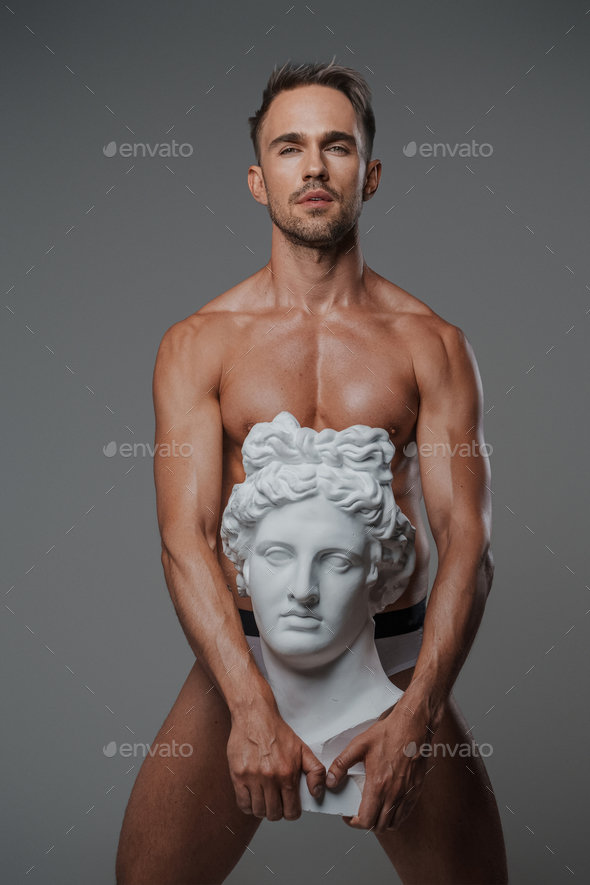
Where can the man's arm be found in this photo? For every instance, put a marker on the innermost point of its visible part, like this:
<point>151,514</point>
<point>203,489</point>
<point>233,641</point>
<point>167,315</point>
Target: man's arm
<point>264,754</point>
<point>188,491</point>
<point>455,485</point>
<point>455,476</point>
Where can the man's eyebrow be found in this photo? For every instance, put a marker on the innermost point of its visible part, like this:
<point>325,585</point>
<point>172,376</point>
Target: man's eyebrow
<point>295,137</point>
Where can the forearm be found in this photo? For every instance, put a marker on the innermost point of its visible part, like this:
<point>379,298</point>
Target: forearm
<point>453,616</point>
<point>210,620</point>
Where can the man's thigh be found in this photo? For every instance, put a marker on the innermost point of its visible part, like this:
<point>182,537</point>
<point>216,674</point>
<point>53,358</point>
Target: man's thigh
<point>182,823</point>
<point>453,835</point>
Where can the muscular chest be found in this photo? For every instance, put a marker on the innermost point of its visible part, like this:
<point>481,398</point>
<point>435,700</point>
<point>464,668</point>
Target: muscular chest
<point>327,374</point>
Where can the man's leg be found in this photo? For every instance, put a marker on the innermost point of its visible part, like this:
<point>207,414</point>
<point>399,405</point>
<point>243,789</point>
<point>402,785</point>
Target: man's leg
<point>453,836</point>
<point>182,823</point>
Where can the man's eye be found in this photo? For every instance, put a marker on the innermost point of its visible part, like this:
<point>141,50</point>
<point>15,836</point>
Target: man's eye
<point>336,147</point>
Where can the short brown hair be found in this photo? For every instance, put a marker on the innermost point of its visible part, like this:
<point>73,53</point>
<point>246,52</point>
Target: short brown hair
<point>345,79</point>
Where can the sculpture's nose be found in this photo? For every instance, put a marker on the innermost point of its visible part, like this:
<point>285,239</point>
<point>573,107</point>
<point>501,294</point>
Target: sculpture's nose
<point>303,585</point>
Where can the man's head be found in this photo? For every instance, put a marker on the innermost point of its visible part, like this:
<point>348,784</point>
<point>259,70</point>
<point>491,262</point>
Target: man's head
<point>347,80</point>
<point>314,132</point>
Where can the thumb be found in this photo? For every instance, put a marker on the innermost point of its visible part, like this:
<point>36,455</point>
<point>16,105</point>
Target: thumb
<point>354,752</point>
<point>315,771</point>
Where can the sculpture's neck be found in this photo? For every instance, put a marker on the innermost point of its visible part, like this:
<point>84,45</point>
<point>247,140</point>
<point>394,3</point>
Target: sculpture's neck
<point>324,701</point>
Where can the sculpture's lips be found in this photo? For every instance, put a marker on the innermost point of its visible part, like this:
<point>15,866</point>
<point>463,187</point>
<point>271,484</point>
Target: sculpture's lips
<point>308,615</point>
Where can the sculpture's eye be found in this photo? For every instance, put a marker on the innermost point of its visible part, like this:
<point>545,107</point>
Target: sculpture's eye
<point>337,561</point>
<point>278,556</point>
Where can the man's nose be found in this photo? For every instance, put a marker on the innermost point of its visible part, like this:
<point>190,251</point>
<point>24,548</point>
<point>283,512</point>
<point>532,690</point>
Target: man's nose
<point>314,165</point>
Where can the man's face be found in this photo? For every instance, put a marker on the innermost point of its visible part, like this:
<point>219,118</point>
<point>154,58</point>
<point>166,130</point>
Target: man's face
<point>311,140</point>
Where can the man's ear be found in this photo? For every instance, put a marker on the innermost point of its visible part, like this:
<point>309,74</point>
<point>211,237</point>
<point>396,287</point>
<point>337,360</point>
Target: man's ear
<point>372,179</point>
<point>257,185</point>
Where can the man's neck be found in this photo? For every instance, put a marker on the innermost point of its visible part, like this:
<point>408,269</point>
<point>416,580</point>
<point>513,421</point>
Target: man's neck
<point>318,279</point>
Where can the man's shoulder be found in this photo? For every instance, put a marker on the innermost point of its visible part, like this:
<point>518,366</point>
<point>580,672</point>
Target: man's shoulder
<point>208,326</point>
<point>416,320</point>
<point>234,300</point>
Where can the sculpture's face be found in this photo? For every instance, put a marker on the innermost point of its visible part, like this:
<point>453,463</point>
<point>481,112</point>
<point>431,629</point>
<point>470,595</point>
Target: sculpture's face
<point>307,578</point>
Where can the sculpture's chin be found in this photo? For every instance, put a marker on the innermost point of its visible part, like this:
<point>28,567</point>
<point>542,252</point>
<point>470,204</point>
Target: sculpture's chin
<point>299,653</point>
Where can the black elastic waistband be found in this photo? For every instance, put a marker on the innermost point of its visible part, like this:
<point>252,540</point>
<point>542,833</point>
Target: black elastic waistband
<point>402,620</point>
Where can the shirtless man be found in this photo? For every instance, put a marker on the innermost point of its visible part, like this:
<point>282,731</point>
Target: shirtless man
<point>318,333</point>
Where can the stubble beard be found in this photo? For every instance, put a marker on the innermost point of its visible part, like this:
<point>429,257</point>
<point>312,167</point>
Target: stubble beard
<point>316,231</point>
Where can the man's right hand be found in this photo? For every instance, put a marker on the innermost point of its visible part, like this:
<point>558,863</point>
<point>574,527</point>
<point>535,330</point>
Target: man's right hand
<point>266,758</point>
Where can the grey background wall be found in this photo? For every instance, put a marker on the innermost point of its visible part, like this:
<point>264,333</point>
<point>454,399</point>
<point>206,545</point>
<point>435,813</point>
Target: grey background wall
<point>101,255</point>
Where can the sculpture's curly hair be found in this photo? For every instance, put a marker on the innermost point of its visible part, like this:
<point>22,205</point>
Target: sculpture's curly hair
<point>285,462</point>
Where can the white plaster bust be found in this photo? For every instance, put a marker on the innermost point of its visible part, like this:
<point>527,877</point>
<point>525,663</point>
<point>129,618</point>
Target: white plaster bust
<point>320,546</point>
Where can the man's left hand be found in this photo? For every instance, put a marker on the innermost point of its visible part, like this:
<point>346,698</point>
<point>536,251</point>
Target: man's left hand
<point>395,769</point>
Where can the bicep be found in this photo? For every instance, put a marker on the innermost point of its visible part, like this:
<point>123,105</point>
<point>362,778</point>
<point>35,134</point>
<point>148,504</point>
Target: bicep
<point>454,467</point>
<point>188,438</point>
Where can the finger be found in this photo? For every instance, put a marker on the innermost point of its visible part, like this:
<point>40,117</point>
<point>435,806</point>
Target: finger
<point>291,801</point>
<point>354,822</point>
<point>354,752</point>
<point>401,812</point>
<point>243,798</point>
<point>314,770</point>
<point>396,820</point>
<point>385,816</point>
<point>405,806</point>
<point>258,800</point>
<point>272,801</point>
<point>369,808</point>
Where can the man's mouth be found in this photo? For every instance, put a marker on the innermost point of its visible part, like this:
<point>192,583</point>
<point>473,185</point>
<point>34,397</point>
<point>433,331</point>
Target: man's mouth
<point>316,198</point>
